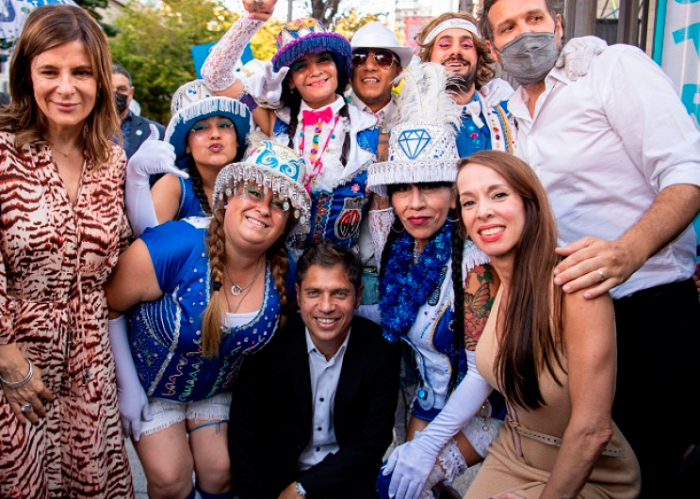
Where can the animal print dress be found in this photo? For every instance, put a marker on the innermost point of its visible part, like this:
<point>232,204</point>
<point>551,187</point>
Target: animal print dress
<point>54,260</point>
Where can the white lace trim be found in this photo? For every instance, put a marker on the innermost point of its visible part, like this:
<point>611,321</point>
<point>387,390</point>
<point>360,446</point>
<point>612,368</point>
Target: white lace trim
<point>219,69</point>
<point>480,431</point>
<point>379,226</point>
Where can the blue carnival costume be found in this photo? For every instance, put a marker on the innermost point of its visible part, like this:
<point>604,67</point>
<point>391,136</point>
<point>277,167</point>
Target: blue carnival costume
<point>485,128</point>
<point>165,335</point>
<point>339,198</point>
<point>417,298</point>
<point>189,205</point>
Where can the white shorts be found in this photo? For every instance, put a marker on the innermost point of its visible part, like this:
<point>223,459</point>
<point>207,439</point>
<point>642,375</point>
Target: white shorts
<point>167,412</point>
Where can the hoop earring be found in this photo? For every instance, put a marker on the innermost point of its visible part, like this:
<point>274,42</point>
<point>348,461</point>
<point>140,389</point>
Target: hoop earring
<point>452,221</point>
<point>397,231</point>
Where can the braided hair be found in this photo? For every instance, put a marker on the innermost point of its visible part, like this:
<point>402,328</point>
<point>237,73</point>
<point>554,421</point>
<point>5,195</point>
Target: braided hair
<point>276,254</point>
<point>198,186</point>
<point>293,100</point>
<point>458,287</point>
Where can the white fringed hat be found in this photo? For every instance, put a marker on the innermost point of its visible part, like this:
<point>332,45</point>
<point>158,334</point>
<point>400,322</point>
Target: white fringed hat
<point>193,102</point>
<point>422,146</point>
<point>270,166</point>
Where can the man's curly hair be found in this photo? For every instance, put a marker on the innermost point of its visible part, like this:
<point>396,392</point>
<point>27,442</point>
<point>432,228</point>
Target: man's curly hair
<point>485,61</point>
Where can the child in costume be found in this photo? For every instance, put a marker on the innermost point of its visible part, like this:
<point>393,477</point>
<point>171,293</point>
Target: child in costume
<point>298,100</point>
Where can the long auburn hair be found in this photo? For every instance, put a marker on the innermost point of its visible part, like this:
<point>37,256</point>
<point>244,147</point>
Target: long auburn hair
<point>531,338</point>
<point>46,28</point>
<point>485,72</point>
<point>277,256</point>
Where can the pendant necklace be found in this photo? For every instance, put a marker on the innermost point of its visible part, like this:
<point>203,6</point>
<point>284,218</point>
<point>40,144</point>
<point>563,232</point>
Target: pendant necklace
<point>235,288</point>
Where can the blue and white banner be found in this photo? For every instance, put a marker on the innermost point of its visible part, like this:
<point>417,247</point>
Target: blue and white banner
<point>677,49</point>
<point>13,13</point>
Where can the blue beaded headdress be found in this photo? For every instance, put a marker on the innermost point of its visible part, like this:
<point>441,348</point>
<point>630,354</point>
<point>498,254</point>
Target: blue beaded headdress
<point>270,166</point>
<point>193,102</point>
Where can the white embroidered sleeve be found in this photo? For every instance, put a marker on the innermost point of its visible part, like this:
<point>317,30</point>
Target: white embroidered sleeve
<point>218,70</point>
<point>379,225</point>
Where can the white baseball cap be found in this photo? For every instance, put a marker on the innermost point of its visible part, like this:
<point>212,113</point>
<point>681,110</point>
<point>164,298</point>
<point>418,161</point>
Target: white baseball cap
<point>375,35</point>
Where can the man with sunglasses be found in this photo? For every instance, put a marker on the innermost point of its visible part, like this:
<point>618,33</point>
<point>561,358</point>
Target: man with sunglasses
<point>377,59</point>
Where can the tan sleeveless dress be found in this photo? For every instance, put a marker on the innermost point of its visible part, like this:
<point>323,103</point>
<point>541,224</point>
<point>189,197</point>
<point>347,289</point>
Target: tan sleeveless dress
<point>615,474</point>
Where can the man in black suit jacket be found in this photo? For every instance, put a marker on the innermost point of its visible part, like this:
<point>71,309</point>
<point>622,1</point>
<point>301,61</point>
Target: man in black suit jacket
<point>135,129</point>
<point>312,413</point>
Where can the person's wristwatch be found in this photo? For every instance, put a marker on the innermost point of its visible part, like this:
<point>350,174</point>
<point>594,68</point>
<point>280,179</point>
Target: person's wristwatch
<point>300,490</point>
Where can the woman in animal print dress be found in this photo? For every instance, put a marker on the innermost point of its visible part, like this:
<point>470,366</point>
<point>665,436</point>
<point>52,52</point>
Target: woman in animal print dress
<point>62,227</point>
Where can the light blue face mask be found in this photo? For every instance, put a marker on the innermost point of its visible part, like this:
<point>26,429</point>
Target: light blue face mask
<point>530,57</point>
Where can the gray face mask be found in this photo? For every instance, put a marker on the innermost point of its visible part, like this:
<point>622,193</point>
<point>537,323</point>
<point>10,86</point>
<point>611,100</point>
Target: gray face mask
<point>530,57</point>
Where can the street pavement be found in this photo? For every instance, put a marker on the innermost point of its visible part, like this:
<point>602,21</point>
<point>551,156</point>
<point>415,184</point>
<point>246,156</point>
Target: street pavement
<point>460,484</point>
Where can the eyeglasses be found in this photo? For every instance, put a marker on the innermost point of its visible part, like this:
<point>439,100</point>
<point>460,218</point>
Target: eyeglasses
<point>382,58</point>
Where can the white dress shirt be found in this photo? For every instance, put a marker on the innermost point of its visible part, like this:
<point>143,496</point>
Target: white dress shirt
<point>325,375</point>
<point>604,146</point>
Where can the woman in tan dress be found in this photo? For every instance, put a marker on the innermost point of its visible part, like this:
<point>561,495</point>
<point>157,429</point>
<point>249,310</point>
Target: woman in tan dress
<point>552,356</point>
<point>62,226</point>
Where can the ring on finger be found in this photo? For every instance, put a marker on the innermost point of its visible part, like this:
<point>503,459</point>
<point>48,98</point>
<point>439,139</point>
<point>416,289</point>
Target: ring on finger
<point>26,408</point>
<point>602,276</point>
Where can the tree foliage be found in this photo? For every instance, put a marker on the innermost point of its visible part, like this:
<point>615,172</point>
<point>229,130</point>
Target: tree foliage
<point>325,10</point>
<point>154,44</point>
<point>91,6</point>
<point>351,22</point>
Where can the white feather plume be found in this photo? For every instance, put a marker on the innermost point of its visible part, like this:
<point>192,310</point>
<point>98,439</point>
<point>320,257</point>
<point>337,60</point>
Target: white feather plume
<point>425,98</point>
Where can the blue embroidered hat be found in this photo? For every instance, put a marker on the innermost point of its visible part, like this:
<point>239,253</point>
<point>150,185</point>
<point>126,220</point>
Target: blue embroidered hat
<point>309,36</point>
<point>423,145</point>
<point>270,166</point>
<point>193,102</point>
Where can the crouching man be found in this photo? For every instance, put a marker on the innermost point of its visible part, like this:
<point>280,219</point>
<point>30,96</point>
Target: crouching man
<point>312,413</point>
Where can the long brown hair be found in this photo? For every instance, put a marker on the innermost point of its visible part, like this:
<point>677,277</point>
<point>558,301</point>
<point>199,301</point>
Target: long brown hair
<point>277,256</point>
<point>485,60</point>
<point>531,337</point>
<point>48,27</point>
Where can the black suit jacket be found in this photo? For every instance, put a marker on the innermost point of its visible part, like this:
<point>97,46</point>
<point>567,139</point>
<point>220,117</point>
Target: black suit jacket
<point>271,414</point>
<point>139,133</point>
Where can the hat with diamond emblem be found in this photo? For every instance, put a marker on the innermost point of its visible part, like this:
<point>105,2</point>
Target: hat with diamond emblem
<point>422,146</point>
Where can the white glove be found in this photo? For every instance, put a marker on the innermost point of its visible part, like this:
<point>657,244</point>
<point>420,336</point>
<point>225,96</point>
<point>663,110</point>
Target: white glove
<point>412,465</point>
<point>450,463</point>
<point>133,402</point>
<point>577,55</point>
<point>263,84</point>
<point>496,91</point>
<point>154,156</point>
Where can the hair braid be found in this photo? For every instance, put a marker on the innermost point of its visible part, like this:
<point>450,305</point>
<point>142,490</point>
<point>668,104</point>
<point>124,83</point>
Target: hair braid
<point>211,319</point>
<point>345,113</point>
<point>279,266</point>
<point>294,107</point>
<point>396,229</point>
<point>458,287</point>
<point>198,186</point>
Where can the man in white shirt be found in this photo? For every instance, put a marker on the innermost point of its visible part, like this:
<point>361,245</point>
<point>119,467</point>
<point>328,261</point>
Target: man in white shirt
<point>312,413</point>
<point>620,159</point>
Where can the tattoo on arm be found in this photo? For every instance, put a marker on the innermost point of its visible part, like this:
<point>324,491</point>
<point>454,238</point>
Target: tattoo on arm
<point>480,287</point>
